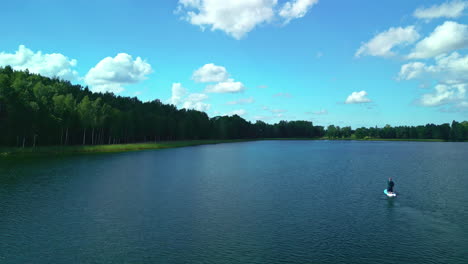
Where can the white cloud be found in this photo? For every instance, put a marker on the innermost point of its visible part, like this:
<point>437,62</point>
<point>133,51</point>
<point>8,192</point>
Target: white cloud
<point>452,67</point>
<point>214,73</point>
<point>296,9</point>
<point>451,74</point>
<point>197,97</point>
<point>199,106</point>
<point>111,73</point>
<point>445,93</point>
<point>445,38</point>
<point>229,86</point>
<point>50,65</point>
<point>181,97</point>
<point>242,101</point>
<point>236,18</point>
<point>357,98</point>
<point>383,43</point>
<point>178,93</point>
<point>452,9</point>
<point>210,73</point>
<point>412,70</point>
<point>239,112</point>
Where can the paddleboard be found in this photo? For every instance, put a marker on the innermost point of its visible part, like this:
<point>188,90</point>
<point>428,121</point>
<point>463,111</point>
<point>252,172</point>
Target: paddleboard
<point>389,194</point>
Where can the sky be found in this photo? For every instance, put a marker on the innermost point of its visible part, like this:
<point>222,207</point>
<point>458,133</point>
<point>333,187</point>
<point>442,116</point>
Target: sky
<point>348,63</point>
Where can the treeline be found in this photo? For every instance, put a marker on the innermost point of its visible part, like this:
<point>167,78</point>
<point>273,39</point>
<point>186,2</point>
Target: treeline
<point>454,132</point>
<point>36,110</point>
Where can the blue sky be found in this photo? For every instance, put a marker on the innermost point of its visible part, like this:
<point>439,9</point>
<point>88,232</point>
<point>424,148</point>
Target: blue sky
<point>358,63</point>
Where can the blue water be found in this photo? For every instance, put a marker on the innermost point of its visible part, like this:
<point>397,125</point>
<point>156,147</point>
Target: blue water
<point>253,202</point>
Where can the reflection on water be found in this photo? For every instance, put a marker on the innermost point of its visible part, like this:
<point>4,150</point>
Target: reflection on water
<point>255,202</point>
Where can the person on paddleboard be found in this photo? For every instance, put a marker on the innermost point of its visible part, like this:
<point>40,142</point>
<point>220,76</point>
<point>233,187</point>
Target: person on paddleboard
<point>390,185</point>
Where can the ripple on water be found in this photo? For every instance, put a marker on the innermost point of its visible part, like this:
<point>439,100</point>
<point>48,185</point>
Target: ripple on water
<point>256,202</point>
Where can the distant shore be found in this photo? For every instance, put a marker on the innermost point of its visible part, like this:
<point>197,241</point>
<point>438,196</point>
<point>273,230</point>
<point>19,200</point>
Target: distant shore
<point>61,150</point>
<point>362,139</point>
<point>393,139</point>
<point>77,149</point>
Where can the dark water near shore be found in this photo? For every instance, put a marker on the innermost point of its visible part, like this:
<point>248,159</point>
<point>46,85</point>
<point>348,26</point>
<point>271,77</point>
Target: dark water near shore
<point>254,202</point>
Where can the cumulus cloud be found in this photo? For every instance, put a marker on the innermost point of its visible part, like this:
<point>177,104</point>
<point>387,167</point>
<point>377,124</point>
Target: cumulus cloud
<point>412,70</point>
<point>236,18</point>
<point>215,73</point>
<point>210,73</point>
<point>451,74</point>
<point>357,98</point>
<point>445,93</point>
<point>110,74</point>
<point>242,101</point>
<point>452,9</point>
<point>178,93</point>
<point>199,106</point>
<point>383,43</point>
<point>445,38</point>
<point>229,86</point>
<point>50,65</point>
<point>452,67</point>
<point>239,112</point>
<point>181,97</point>
<point>197,97</point>
<point>296,9</point>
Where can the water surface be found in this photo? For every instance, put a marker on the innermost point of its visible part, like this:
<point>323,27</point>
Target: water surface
<point>253,202</point>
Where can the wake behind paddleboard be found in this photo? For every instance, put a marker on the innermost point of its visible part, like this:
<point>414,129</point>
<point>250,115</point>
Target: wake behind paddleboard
<point>389,194</point>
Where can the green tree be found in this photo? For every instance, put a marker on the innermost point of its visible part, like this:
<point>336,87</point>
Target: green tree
<point>85,112</point>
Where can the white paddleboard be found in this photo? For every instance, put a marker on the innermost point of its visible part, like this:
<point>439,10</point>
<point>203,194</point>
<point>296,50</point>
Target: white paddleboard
<point>389,194</point>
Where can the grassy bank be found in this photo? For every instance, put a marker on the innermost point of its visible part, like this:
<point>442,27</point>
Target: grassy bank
<point>403,139</point>
<point>388,139</point>
<point>363,139</point>
<point>59,150</point>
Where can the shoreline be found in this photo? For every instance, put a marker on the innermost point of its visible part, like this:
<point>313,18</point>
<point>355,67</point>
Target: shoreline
<point>115,148</point>
<point>367,139</point>
<point>87,149</point>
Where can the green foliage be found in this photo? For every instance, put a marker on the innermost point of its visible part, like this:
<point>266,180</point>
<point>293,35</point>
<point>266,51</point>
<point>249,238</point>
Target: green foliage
<point>64,150</point>
<point>36,110</point>
<point>40,111</point>
<point>455,132</point>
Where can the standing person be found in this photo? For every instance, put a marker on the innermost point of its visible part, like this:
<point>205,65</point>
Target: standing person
<point>390,185</point>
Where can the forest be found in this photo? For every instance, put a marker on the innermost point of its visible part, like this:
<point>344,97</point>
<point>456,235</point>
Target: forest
<point>37,110</point>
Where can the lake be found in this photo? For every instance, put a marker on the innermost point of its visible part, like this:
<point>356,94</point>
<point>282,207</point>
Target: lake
<point>251,202</point>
